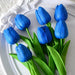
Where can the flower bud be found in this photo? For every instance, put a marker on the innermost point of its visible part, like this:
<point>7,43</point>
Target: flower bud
<point>61,30</point>
<point>60,13</point>
<point>11,35</point>
<point>22,22</point>
<point>23,53</point>
<point>42,16</point>
<point>44,35</point>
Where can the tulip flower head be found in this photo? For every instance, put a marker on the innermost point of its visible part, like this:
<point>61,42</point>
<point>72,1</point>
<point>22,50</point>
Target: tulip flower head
<point>42,16</point>
<point>44,35</point>
<point>23,53</point>
<point>60,13</point>
<point>22,22</point>
<point>61,30</point>
<point>11,35</point>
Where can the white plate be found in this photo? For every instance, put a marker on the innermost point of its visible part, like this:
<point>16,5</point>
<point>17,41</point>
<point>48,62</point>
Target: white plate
<point>13,67</point>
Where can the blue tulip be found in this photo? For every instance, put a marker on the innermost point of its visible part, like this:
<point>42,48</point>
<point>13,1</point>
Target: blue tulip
<point>22,22</point>
<point>23,53</point>
<point>60,13</point>
<point>11,35</point>
<point>42,16</point>
<point>44,35</point>
<point>61,30</point>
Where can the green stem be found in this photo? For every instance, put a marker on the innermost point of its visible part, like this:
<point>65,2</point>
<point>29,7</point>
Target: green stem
<point>52,32</point>
<point>48,24</point>
<point>61,45</point>
<point>29,34</point>
<point>16,44</point>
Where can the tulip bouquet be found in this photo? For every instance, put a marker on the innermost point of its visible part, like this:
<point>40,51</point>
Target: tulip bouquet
<point>48,42</point>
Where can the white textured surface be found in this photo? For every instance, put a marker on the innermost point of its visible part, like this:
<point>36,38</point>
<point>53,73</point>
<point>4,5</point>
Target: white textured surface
<point>5,5</point>
<point>1,71</point>
<point>41,3</point>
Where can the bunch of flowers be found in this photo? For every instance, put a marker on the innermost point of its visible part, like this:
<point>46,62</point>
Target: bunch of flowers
<point>47,42</point>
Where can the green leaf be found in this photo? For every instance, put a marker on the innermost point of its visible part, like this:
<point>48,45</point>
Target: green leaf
<point>63,41</point>
<point>57,60</point>
<point>51,63</point>
<point>43,66</point>
<point>27,41</point>
<point>37,48</point>
<point>64,51</point>
<point>44,48</point>
<point>60,46</point>
<point>56,46</point>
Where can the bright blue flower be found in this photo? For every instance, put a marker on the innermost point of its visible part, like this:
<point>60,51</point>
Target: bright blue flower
<point>42,16</point>
<point>11,35</point>
<point>44,35</point>
<point>23,53</point>
<point>22,22</point>
<point>60,13</point>
<point>61,30</point>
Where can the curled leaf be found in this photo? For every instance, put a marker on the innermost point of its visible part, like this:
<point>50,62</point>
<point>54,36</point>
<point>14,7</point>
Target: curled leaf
<point>43,66</point>
<point>51,63</point>
<point>57,60</point>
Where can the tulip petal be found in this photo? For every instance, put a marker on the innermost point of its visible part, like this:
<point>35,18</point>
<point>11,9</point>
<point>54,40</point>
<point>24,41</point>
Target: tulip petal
<point>11,35</point>
<point>44,35</point>
<point>60,13</point>
<point>61,30</point>
<point>41,36</point>
<point>38,17</point>
<point>42,16</point>
<point>23,53</point>
<point>22,21</point>
<point>48,34</point>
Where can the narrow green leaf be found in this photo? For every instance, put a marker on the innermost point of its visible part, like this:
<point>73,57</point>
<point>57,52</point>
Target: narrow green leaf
<point>64,51</point>
<point>43,66</point>
<point>37,48</point>
<point>51,63</point>
<point>44,48</point>
<point>57,60</point>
